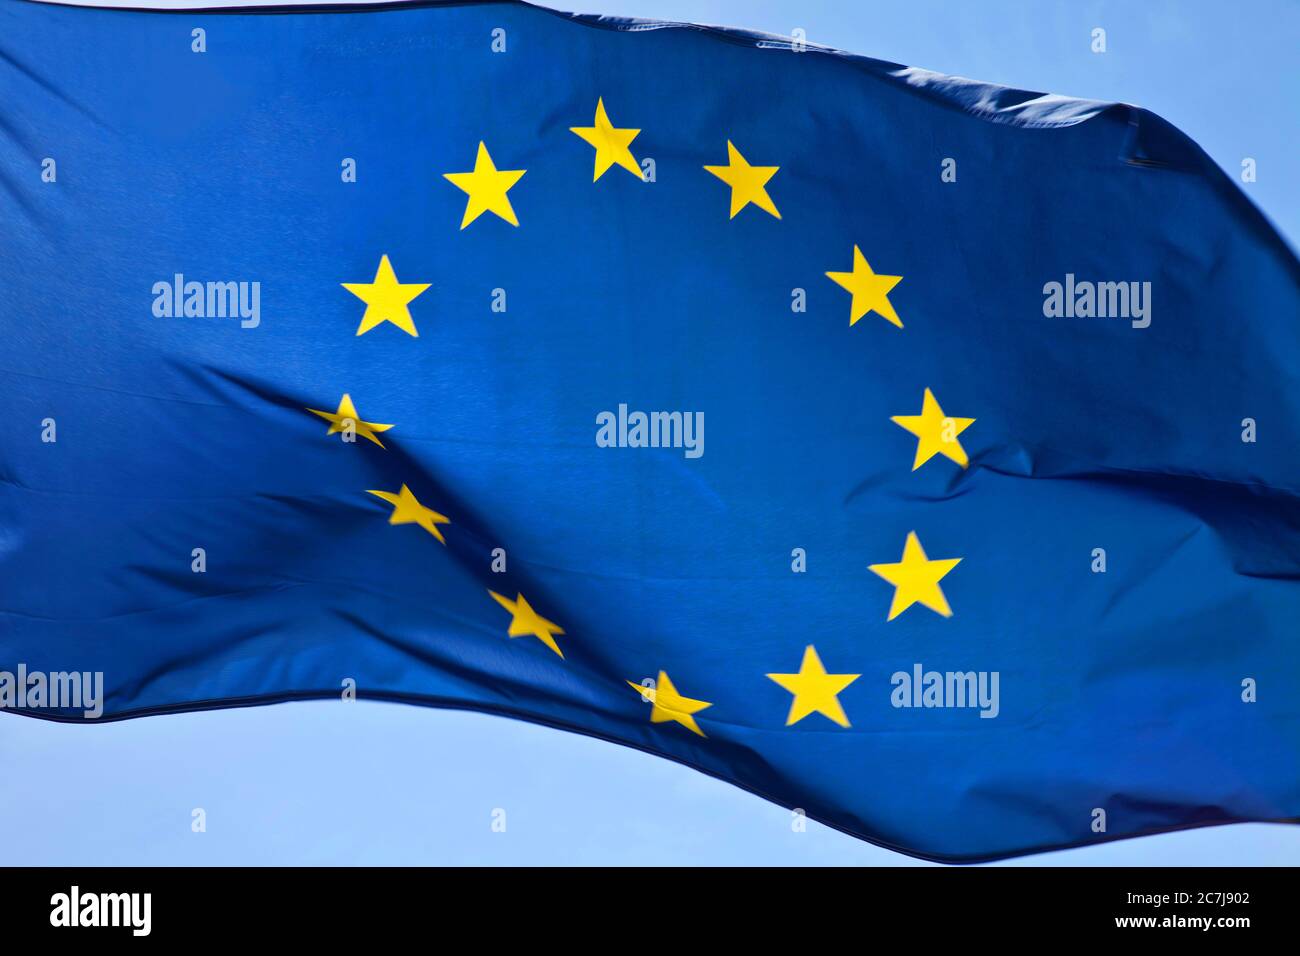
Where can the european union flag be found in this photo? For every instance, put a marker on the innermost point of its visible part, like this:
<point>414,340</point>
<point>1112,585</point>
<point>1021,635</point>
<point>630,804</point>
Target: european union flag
<point>369,353</point>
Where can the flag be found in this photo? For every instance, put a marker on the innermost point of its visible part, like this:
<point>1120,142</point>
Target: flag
<point>914,453</point>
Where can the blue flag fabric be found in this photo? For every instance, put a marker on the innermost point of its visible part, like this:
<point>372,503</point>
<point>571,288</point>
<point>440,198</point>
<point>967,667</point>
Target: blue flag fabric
<point>371,352</point>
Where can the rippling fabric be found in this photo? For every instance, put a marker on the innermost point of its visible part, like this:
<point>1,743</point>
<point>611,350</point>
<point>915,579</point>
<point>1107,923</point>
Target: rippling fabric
<point>1021,471</point>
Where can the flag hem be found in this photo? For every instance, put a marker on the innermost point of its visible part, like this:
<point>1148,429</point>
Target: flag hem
<point>445,703</point>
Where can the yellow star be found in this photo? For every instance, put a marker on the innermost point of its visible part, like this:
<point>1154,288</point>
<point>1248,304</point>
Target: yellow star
<point>869,290</point>
<point>747,182</point>
<point>347,417</point>
<point>937,432</point>
<point>408,510</point>
<point>916,578</point>
<point>670,705</point>
<point>528,621</point>
<point>386,299</point>
<point>486,187</point>
<point>815,690</point>
<point>611,143</point>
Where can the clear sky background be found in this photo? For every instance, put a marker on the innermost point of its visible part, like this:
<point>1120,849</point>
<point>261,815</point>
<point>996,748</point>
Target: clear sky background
<point>371,783</point>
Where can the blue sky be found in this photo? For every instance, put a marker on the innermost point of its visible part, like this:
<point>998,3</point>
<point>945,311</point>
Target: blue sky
<point>369,783</point>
